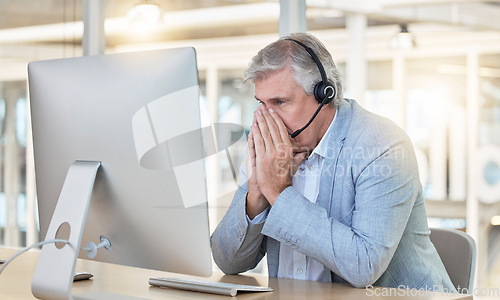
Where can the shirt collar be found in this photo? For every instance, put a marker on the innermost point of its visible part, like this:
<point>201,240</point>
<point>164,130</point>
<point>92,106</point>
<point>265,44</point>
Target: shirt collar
<point>322,147</point>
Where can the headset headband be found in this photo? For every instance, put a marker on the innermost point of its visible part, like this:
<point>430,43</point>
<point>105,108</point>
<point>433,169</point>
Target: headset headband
<point>315,58</point>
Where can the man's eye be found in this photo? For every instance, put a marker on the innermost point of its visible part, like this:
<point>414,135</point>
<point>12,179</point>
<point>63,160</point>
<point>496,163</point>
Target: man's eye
<point>279,102</point>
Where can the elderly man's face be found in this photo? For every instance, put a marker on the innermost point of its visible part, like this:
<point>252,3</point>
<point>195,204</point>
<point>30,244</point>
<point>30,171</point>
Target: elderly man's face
<point>281,92</point>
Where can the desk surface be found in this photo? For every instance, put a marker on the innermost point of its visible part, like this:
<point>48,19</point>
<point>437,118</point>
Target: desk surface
<point>15,283</point>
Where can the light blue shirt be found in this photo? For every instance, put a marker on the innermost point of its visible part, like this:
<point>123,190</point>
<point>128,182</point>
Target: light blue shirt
<point>292,263</point>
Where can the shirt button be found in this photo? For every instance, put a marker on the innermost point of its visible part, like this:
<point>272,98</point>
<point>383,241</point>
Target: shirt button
<point>299,271</point>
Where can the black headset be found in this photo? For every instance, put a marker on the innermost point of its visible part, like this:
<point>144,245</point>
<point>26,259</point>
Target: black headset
<point>324,91</point>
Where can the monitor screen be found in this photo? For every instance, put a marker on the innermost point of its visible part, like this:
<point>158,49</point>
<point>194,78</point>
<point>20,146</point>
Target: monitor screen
<point>139,115</point>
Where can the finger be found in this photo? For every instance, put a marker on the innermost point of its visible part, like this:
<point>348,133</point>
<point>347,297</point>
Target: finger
<point>285,138</point>
<point>250,153</point>
<point>260,147</point>
<point>263,130</point>
<point>273,128</point>
<point>255,125</point>
<point>251,143</point>
<point>250,161</point>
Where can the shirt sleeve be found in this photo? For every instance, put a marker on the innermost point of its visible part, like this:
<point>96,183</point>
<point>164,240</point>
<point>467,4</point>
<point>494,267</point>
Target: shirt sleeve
<point>259,219</point>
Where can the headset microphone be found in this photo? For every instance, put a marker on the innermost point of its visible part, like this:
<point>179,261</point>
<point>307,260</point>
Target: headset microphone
<point>324,91</point>
<point>297,132</point>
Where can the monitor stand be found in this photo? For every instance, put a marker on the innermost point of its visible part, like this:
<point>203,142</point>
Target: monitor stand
<point>54,272</point>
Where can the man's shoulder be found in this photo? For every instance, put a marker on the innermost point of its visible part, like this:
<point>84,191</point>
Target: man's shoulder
<point>369,128</point>
<point>369,135</point>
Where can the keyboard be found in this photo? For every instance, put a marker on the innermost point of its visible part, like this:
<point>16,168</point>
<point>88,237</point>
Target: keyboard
<point>213,287</point>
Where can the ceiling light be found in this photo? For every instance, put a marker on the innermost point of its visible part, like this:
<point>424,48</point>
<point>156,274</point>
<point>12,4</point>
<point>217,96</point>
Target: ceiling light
<point>146,12</point>
<point>404,39</point>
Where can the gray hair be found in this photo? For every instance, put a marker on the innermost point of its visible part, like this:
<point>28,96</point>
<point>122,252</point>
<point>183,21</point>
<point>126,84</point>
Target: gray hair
<point>283,53</point>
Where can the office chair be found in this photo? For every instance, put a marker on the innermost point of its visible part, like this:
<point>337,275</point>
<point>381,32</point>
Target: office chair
<point>458,253</point>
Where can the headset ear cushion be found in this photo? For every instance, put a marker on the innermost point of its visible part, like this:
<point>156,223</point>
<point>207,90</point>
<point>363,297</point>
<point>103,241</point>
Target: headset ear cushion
<point>321,88</point>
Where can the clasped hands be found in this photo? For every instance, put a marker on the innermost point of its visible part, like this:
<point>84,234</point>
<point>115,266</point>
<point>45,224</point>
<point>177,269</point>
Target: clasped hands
<point>271,160</point>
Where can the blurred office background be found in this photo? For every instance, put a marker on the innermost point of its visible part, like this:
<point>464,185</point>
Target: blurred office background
<point>432,66</point>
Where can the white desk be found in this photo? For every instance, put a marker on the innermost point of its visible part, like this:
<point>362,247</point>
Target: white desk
<point>15,283</point>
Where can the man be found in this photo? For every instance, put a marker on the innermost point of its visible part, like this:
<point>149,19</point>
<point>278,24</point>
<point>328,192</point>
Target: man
<point>341,200</point>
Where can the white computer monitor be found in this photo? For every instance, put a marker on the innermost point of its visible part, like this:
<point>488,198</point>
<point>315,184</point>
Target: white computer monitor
<point>139,115</point>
